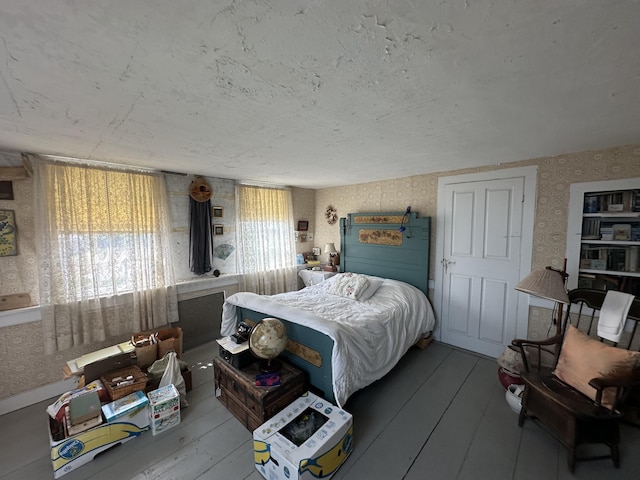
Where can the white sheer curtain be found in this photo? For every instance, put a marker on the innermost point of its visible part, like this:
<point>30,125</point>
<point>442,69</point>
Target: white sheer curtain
<point>266,244</point>
<point>103,244</point>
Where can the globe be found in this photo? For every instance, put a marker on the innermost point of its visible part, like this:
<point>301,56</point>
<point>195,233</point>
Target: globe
<point>268,339</point>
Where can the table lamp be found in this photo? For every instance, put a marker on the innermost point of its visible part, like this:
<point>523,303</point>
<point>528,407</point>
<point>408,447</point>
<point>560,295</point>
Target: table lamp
<point>330,250</point>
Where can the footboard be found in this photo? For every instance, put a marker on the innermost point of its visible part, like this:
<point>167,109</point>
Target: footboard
<point>307,349</point>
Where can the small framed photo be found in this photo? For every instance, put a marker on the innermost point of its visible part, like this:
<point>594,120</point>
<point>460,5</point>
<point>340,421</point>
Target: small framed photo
<point>218,229</point>
<point>6,190</point>
<point>303,225</point>
<point>217,212</point>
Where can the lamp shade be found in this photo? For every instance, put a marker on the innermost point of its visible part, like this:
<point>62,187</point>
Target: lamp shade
<point>544,283</point>
<point>329,248</point>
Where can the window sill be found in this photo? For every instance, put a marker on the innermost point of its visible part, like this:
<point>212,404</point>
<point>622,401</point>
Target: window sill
<point>19,316</point>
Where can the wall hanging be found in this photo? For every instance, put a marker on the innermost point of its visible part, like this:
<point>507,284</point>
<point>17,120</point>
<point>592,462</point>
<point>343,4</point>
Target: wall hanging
<point>200,235</point>
<point>8,243</point>
<point>331,215</point>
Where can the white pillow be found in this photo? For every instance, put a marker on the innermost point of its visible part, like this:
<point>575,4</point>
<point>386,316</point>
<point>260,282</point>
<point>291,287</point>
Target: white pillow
<point>349,285</point>
<point>374,284</point>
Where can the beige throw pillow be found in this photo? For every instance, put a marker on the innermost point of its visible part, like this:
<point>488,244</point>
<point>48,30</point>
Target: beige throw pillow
<point>583,358</point>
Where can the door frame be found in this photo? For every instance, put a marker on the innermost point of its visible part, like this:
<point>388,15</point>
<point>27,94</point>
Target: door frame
<point>530,175</point>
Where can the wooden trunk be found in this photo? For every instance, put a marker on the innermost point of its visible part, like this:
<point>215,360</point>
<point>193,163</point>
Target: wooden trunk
<point>250,404</point>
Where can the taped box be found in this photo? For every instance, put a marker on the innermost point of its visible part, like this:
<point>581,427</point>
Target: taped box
<point>309,439</point>
<point>164,408</point>
<point>67,454</point>
<point>125,407</point>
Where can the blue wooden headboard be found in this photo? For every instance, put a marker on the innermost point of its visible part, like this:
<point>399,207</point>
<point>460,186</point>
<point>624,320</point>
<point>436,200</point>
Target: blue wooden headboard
<point>372,243</point>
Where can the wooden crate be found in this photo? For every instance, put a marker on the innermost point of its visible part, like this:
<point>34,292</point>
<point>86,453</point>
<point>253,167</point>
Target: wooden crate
<point>255,405</point>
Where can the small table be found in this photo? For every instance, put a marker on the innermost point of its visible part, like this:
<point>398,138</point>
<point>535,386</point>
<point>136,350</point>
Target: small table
<point>252,405</point>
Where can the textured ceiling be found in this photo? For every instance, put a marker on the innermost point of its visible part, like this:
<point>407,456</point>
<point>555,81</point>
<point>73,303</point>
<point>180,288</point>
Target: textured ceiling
<point>316,93</point>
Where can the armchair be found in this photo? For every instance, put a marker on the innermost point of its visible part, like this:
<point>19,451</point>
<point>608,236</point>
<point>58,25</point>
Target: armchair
<point>576,384</point>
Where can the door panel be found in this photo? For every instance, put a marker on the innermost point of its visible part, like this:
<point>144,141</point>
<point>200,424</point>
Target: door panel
<point>493,316</point>
<point>462,235</point>
<point>460,288</point>
<point>497,244</point>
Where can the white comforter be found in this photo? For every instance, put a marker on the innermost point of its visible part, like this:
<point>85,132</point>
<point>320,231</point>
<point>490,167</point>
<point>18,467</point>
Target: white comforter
<point>369,336</point>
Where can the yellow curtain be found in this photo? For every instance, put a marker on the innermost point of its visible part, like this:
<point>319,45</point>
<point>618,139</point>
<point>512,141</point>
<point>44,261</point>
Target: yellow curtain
<point>105,254</point>
<point>266,243</point>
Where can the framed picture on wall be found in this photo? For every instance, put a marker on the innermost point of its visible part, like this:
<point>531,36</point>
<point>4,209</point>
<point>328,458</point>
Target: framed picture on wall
<point>8,242</point>
<point>217,212</point>
<point>303,225</point>
<point>218,229</point>
<point>6,190</point>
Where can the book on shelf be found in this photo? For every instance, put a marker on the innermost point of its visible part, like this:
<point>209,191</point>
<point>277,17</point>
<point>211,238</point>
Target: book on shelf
<point>606,231</point>
<point>633,257</point>
<point>622,231</point>
<point>617,259</point>
<point>618,201</point>
<point>635,207</point>
<point>591,228</point>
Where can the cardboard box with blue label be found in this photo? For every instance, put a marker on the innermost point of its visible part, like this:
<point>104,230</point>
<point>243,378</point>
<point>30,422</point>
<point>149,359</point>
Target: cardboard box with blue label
<point>309,439</point>
<point>71,452</point>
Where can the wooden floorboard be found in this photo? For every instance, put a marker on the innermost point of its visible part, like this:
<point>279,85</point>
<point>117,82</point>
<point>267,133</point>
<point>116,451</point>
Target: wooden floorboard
<point>440,414</point>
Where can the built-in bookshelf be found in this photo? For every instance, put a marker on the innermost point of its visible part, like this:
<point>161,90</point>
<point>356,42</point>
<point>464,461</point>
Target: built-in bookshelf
<point>609,240</point>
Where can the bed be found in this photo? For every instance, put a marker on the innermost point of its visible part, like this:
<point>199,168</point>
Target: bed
<point>352,329</point>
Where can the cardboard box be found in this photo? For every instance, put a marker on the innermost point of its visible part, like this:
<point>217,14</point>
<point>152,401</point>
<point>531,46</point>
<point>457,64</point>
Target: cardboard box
<point>309,439</point>
<point>165,422</point>
<point>164,340</point>
<point>164,408</point>
<point>125,406</point>
<point>69,453</point>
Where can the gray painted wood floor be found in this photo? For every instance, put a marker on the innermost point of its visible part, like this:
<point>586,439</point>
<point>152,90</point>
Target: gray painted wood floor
<point>440,414</point>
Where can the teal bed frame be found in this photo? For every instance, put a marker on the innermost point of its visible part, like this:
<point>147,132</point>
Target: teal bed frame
<point>370,243</point>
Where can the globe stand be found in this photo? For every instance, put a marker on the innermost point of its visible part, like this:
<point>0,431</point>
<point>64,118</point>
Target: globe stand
<point>270,365</point>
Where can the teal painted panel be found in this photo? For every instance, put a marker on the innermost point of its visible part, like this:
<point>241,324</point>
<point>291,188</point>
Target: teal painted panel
<point>408,262</point>
<point>319,378</point>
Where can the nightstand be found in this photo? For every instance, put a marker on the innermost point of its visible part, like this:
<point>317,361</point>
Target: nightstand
<point>252,405</point>
<point>313,277</point>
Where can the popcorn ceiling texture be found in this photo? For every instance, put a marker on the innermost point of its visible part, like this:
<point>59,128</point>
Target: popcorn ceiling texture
<point>273,90</point>
<point>23,365</point>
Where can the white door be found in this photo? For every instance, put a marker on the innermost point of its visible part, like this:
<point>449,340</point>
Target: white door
<point>480,225</point>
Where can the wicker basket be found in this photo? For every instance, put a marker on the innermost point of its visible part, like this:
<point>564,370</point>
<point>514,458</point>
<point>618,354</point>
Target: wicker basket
<point>112,379</point>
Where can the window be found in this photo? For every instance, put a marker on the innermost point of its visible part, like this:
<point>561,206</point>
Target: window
<point>266,239</point>
<point>104,248</point>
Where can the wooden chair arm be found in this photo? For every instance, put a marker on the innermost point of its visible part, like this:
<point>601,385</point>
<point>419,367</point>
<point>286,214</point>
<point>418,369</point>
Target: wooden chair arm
<point>538,346</point>
<point>556,339</point>
<point>626,381</point>
<point>622,384</point>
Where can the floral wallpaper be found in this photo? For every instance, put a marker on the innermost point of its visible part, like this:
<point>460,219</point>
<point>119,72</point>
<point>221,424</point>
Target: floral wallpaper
<point>23,365</point>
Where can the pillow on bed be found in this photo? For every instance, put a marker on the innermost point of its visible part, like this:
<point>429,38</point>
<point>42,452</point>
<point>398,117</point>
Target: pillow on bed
<point>348,285</point>
<point>374,284</point>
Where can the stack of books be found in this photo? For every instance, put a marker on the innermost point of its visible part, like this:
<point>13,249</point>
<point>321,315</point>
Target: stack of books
<point>83,412</point>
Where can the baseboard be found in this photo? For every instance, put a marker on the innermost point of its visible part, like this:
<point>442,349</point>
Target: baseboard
<point>39,394</point>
